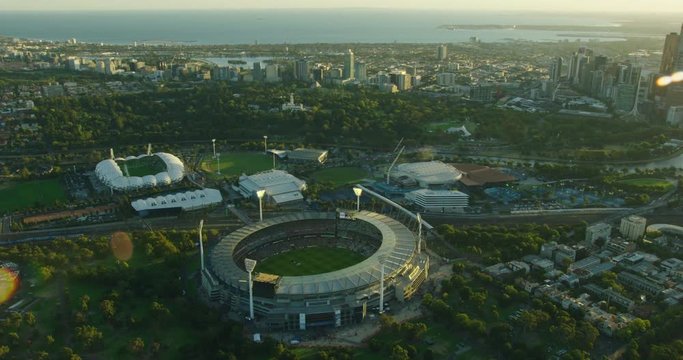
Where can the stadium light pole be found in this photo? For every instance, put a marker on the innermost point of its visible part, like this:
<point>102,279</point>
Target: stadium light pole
<point>265,144</point>
<point>259,194</point>
<point>201,246</point>
<point>218,163</point>
<point>249,265</point>
<point>358,191</point>
<point>213,141</point>
<point>381,259</point>
<point>419,232</point>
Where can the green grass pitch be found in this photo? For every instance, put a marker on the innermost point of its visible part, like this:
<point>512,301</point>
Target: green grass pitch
<point>17,195</point>
<point>237,163</point>
<point>340,175</point>
<point>148,165</point>
<point>309,261</point>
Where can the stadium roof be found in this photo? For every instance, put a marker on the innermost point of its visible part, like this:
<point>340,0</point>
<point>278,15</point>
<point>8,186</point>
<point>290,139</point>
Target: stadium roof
<point>280,186</point>
<point>109,173</point>
<point>428,173</point>
<point>308,155</point>
<point>398,245</point>
<point>189,200</point>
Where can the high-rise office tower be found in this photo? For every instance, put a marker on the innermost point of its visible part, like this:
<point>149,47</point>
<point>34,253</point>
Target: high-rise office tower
<point>349,66</point>
<point>301,70</point>
<point>672,62</point>
<point>361,71</point>
<point>442,52</point>
<point>256,73</point>
<point>556,70</point>
<point>669,54</point>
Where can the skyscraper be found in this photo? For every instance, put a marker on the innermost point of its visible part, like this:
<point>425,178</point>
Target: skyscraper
<point>669,54</point>
<point>349,70</point>
<point>301,70</point>
<point>556,70</point>
<point>442,52</point>
<point>257,73</point>
<point>361,71</point>
<point>672,61</point>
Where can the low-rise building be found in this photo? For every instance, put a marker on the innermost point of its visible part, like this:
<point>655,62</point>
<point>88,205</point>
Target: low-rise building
<point>633,227</point>
<point>597,231</point>
<point>444,201</point>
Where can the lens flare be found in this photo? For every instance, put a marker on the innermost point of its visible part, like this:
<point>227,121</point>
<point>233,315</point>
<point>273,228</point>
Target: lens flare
<point>664,81</point>
<point>121,246</point>
<point>677,76</point>
<point>9,283</point>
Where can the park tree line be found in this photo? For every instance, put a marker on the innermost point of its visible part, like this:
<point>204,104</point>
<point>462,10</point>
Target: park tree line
<point>90,301</point>
<point>349,116</point>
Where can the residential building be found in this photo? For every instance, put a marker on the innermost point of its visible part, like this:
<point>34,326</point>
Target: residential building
<point>272,73</point>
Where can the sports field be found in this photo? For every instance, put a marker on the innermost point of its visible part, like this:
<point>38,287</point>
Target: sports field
<point>148,165</point>
<point>236,163</point>
<point>17,195</point>
<point>340,175</point>
<point>648,183</point>
<point>309,261</point>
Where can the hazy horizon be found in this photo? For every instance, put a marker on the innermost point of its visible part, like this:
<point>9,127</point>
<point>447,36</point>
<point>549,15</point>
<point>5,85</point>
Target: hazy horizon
<point>577,6</point>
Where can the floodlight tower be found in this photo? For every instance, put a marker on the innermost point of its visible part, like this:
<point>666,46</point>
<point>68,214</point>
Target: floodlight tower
<point>419,232</point>
<point>265,144</point>
<point>213,141</point>
<point>382,259</point>
<point>218,163</point>
<point>259,194</point>
<point>201,245</point>
<point>249,265</point>
<point>394,163</point>
<point>149,149</point>
<point>358,191</point>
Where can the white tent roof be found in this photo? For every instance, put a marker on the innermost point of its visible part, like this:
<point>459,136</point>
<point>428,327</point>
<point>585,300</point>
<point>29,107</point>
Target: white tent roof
<point>110,174</point>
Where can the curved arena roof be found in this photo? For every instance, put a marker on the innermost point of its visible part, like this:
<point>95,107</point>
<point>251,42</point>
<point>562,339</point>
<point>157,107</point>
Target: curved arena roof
<point>109,173</point>
<point>428,173</point>
<point>398,245</point>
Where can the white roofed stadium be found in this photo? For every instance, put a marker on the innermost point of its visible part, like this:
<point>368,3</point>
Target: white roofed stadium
<point>335,298</point>
<point>426,174</point>
<point>109,172</point>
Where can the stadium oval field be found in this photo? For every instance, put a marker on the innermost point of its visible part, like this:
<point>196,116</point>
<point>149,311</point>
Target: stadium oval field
<point>333,298</point>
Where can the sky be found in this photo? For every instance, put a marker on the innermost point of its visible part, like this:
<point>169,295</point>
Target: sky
<point>652,6</point>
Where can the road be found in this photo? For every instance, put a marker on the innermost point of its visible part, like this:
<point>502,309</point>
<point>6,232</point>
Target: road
<point>211,222</point>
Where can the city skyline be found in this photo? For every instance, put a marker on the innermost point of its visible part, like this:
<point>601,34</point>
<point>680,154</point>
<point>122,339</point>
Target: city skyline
<point>615,6</point>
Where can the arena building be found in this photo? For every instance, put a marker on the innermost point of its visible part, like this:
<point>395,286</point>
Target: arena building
<point>110,173</point>
<point>333,299</point>
<point>426,174</point>
<point>280,186</point>
<point>177,202</point>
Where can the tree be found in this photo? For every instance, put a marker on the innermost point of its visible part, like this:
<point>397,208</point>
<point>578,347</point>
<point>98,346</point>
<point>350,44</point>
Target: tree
<point>85,302</point>
<point>108,308</point>
<point>4,350</point>
<point>136,345</point>
<point>30,318</point>
<point>88,335</point>
<point>399,353</point>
